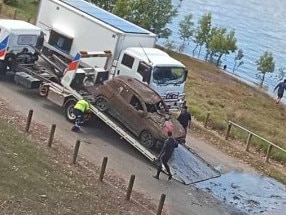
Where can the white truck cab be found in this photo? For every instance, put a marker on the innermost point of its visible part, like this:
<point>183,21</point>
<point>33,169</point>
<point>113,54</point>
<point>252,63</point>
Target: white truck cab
<point>16,39</point>
<point>157,69</point>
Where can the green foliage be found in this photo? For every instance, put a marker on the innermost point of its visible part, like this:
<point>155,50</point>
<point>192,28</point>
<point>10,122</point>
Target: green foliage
<point>265,64</point>
<point>186,28</point>
<point>106,5</point>
<point>221,43</point>
<point>153,15</point>
<point>238,60</point>
<point>202,32</point>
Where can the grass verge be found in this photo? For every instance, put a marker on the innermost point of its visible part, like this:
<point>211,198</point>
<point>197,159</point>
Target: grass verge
<point>33,183</point>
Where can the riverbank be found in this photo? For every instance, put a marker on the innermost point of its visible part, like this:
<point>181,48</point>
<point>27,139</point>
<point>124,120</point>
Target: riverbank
<point>226,97</point>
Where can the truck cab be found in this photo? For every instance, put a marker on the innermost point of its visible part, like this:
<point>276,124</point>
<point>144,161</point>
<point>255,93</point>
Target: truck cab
<point>16,39</point>
<point>157,69</point>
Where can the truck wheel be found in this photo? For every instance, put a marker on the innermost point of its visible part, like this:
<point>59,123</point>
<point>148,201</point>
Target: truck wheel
<point>147,140</point>
<point>43,90</point>
<point>101,103</point>
<point>68,107</point>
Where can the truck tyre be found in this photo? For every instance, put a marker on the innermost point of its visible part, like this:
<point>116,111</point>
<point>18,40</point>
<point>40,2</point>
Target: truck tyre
<point>146,139</point>
<point>101,103</point>
<point>43,90</point>
<point>68,108</point>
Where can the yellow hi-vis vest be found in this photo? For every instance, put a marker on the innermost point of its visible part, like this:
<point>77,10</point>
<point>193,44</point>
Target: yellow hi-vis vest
<point>82,105</point>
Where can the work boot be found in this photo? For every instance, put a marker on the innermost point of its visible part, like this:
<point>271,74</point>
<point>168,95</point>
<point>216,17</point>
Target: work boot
<point>170,177</point>
<point>156,176</point>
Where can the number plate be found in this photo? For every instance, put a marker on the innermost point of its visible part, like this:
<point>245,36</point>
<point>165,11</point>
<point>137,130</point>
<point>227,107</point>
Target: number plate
<point>172,96</point>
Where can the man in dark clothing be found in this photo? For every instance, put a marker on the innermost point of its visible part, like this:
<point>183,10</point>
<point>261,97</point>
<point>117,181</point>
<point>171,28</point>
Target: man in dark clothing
<point>185,118</point>
<point>165,154</point>
<point>281,87</point>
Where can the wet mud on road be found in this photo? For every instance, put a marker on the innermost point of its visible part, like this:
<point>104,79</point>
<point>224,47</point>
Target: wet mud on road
<point>249,192</point>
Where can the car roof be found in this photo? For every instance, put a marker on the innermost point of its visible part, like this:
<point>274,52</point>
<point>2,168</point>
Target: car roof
<point>147,94</point>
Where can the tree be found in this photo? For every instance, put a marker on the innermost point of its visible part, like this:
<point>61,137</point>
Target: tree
<point>238,60</point>
<point>153,15</point>
<point>106,5</point>
<point>221,43</point>
<point>202,33</point>
<point>265,64</point>
<point>186,28</point>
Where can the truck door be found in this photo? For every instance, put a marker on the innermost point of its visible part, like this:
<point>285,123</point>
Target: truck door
<point>125,65</point>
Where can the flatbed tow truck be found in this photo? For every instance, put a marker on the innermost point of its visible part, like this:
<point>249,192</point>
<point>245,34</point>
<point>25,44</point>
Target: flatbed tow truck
<point>59,85</point>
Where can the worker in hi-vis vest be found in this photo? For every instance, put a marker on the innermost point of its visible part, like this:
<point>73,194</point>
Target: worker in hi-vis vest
<point>80,108</point>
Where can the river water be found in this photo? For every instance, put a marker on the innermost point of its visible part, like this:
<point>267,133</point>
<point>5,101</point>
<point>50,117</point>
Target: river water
<point>259,26</point>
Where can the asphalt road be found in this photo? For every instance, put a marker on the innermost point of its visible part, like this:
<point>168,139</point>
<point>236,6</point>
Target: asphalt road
<point>99,141</point>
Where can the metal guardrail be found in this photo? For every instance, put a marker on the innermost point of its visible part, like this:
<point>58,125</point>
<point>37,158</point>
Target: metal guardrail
<point>250,135</point>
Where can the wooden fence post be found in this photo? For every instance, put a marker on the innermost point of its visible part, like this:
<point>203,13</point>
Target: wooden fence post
<point>207,120</point>
<point>130,186</point>
<point>248,142</point>
<point>161,204</point>
<point>103,167</point>
<point>28,122</point>
<point>76,149</point>
<point>268,152</point>
<point>228,131</point>
<point>52,134</point>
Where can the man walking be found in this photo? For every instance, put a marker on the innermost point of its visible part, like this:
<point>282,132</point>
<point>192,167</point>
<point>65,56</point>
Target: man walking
<point>80,108</point>
<point>165,154</point>
<point>281,87</point>
<point>185,118</point>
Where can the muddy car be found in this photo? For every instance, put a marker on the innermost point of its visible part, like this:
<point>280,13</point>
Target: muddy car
<point>139,109</point>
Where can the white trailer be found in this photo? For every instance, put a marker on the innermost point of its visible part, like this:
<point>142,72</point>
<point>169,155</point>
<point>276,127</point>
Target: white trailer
<point>73,25</point>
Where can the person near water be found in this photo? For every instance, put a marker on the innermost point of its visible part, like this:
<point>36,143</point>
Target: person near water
<point>281,88</point>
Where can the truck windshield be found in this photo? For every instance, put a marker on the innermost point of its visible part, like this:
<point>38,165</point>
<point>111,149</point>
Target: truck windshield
<point>169,75</point>
<point>27,40</point>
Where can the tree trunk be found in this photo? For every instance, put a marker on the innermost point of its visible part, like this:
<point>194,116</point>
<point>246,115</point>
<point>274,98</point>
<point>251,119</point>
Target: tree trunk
<point>218,60</point>
<point>262,79</point>
<point>195,50</point>
<point>199,51</point>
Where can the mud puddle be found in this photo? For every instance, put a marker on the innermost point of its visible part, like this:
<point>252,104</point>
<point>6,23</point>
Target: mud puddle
<point>250,193</point>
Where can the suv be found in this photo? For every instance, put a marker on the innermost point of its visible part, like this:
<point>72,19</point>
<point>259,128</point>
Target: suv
<point>139,109</point>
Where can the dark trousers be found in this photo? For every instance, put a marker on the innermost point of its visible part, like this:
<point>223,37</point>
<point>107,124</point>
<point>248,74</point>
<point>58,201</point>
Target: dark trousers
<point>163,161</point>
<point>79,118</point>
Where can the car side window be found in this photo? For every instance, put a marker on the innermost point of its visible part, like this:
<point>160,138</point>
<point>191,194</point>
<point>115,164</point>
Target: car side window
<point>135,102</point>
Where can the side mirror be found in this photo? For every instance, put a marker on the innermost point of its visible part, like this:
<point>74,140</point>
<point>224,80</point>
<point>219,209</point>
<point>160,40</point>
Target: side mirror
<point>142,113</point>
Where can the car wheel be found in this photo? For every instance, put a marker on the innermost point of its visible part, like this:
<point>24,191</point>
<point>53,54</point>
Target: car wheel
<point>69,114</point>
<point>147,140</point>
<point>101,103</point>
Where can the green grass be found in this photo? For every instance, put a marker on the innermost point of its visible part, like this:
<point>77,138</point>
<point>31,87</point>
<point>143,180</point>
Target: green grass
<point>25,9</point>
<point>32,183</point>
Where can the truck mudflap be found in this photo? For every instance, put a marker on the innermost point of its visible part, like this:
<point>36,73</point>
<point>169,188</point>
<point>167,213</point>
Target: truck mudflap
<point>188,167</point>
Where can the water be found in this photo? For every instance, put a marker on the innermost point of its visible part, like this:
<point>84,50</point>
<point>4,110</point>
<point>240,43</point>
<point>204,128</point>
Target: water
<point>259,25</point>
<point>251,193</point>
